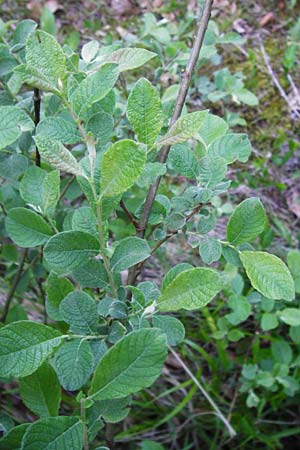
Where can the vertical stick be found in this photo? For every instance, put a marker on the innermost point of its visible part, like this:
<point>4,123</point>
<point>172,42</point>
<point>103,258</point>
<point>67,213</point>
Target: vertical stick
<point>14,284</point>
<point>183,90</point>
<point>37,115</point>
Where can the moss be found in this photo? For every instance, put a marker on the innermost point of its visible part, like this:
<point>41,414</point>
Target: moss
<point>271,117</point>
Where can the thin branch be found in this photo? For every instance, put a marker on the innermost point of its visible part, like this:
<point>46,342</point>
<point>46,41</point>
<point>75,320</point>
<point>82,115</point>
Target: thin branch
<point>159,243</point>
<point>66,187</point>
<point>173,233</point>
<point>85,440</point>
<point>183,90</point>
<point>37,115</point>
<point>14,285</point>
<point>130,216</point>
<point>218,412</point>
<point>272,73</point>
<point>294,87</point>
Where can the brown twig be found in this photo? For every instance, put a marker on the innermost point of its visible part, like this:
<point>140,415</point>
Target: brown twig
<point>173,233</point>
<point>272,73</point>
<point>37,116</point>
<point>166,238</point>
<point>14,285</point>
<point>183,90</point>
<point>130,216</point>
<point>66,187</point>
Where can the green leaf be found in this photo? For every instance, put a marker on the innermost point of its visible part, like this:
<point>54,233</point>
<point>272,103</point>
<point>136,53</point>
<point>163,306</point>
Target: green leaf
<point>247,97</point>
<point>69,250</point>
<point>13,122</point>
<point>290,316</point>
<point>173,272</point>
<point>25,346</point>
<point>171,326</point>
<point>73,363</point>
<point>23,31</point>
<point>40,189</point>
<point>101,125</point>
<point>269,321</point>
<point>121,166</point>
<point>184,128</point>
<point>183,160</point>
<point>247,221</point>
<point>6,422</point>
<point>231,147</point>
<point>13,439</point>
<point>79,310</point>
<point>85,220</point>
<point>132,364</point>
<point>293,260</point>
<point>92,275</point>
<point>150,173</point>
<point>58,155</point>
<point>111,411</point>
<point>45,55</point>
<point>59,129</point>
<point>241,309</point>
<point>128,252</point>
<point>93,88</point>
<point>151,445</point>
<point>41,391</point>
<point>268,275</point>
<point>33,77</point>
<point>54,433</point>
<point>210,250</point>
<point>191,289</point>
<point>7,61</point>
<point>56,290</point>
<point>211,171</point>
<point>144,111</point>
<point>212,128</point>
<point>48,21</point>
<point>89,51</point>
<point>282,352</point>
<point>26,228</point>
<point>130,58</point>
<point>12,167</point>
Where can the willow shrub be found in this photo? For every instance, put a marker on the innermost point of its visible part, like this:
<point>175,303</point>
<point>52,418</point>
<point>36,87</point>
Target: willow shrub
<point>78,217</point>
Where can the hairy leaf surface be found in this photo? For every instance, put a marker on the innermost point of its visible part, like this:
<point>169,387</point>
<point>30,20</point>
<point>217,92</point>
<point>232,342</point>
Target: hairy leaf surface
<point>40,188</point>
<point>132,364</point>
<point>41,391</point>
<point>121,166</point>
<point>184,128</point>
<point>73,363</point>
<point>129,251</point>
<point>27,228</point>
<point>247,221</point>
<point>79,310</point>
<point>269,275</point>
<point>131,58</point>
<point>24,347</point>
<point>54,433</point>
<point>68,250</point>
<point>13,122</point>
<point>58,155</point>
<point>93,88</point>
<point>191,289</point>
<point>44,54</point>
<point>144,111</point>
